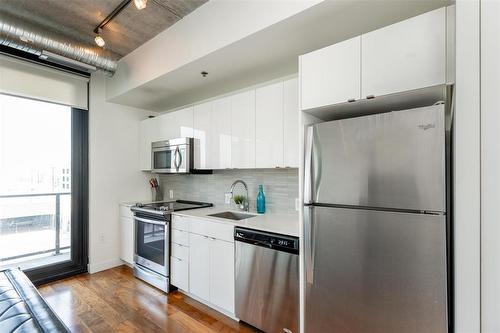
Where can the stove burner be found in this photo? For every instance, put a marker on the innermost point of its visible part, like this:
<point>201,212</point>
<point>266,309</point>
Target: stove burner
<point>166,207</point>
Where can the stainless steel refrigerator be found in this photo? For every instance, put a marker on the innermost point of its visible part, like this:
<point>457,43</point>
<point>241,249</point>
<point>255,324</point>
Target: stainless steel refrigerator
<point>375,224</point>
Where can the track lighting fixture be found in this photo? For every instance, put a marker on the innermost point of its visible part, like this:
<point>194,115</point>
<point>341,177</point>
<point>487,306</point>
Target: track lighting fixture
<point>140,4</point>
<point>98,39</point>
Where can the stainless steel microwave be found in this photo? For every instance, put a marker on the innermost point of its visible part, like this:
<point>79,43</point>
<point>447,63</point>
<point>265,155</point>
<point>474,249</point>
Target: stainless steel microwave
<point>172,156</point>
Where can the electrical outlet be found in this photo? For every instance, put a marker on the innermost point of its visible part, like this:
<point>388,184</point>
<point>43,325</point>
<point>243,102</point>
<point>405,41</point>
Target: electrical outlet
<point>101,237</point>
<point>171,194</point>
<point>297,206</point>
<point>227,198</point>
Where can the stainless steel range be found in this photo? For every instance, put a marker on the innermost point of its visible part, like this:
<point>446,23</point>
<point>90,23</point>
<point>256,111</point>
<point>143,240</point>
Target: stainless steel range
<point>152,239</point>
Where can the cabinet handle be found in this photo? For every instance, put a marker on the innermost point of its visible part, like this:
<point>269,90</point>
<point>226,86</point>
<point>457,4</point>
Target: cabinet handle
<point>277,167</point>
<point>212,238</point>
<point>351,100</point>
<point>177,259</point>
<point>370,97</point>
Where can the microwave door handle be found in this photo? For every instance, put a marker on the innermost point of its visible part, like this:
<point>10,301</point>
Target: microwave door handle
<point>175,158</point>
<point>180,157</point>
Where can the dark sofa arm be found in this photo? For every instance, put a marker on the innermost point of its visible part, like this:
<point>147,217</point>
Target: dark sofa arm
<point>22,308</point>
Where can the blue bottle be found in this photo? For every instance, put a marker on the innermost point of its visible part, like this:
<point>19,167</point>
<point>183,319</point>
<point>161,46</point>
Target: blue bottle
<point>261,201</point>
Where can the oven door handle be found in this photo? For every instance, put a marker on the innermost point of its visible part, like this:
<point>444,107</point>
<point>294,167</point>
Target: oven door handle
<point>140,219</point>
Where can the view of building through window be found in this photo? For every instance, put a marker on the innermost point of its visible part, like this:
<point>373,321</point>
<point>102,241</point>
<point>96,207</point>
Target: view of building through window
<point>35,182</point>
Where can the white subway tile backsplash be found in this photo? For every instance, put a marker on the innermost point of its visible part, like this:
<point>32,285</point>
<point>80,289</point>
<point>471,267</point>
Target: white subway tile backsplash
<point>281,187</point>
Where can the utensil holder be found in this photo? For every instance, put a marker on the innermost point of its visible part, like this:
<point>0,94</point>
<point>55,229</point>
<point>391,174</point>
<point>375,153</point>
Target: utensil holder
<point>156,194</point>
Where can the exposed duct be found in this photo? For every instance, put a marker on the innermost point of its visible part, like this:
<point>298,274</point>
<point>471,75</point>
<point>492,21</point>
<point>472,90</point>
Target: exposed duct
<point>35,43</point>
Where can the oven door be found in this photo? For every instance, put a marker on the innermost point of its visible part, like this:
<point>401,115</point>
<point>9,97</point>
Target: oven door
<point>151,244</point>
<point>170,159</point>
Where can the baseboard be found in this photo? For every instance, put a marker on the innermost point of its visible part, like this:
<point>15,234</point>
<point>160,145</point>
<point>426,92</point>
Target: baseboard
<point>213,306</point>
<point>101,266</point>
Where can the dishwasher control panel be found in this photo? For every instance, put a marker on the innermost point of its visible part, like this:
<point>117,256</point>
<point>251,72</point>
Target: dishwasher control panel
<point>266,239</point>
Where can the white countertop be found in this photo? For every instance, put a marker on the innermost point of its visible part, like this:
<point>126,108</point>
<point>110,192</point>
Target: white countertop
<point>286,224</point>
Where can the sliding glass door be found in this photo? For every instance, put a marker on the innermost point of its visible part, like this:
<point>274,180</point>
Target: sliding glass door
<point>43,187</point>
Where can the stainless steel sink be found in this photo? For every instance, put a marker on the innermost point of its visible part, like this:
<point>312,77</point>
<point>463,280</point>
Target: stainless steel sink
<point>232,215</point>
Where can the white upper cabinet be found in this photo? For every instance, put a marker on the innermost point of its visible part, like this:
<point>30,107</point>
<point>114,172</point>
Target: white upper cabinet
<point>269,126</point>
<point>331,75</point>
<point>404,56</point>
<point>220,143</point>
<point>257,128</point>
<point>149,131</point>
<point>291,123</point>
<point>212,133</point>
<point>243,130</point>
<point>202,115</point>
<point>177,124</point>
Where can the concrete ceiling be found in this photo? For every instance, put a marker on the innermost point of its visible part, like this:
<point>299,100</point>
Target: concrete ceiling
<point>74,20</point>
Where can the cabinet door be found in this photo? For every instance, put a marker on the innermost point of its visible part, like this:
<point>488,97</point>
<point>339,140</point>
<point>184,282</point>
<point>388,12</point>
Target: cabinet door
<point>177,124</point>
<point>222,274</point>
<point>180,273</point>
<point>243,130</point>
<point>220,133</point>
<point>202,114</point>
<point>404,56</point>
<point>199,266</point>
<point>331,75</point>
<point>269,126</point>
<point>149,131</point>
<point>291,123</point>
<point>127,240</point>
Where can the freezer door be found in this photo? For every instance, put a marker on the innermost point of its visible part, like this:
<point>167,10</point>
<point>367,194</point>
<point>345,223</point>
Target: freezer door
<point>372,271</point>
<point>390,160</point>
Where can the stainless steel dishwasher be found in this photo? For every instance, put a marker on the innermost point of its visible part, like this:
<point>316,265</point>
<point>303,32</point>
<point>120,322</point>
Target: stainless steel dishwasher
<point>267,280</point>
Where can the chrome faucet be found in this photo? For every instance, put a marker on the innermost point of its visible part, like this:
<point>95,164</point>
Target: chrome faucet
<point>245,204</point>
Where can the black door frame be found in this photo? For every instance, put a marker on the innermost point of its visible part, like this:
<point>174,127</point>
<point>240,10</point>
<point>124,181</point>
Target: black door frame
<point>79,208</point>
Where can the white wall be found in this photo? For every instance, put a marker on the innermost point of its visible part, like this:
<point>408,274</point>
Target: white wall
<point>466,159</point>
<point>114,172</point>
<point>490,166</point>
<point>210,27</point>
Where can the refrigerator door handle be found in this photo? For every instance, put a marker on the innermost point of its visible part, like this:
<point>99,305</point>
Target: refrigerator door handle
<point>312,166</point>
<point>309,240</point>
<point>308,167</point>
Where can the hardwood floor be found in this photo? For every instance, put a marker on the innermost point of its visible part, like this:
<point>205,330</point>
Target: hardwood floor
<point>115,301</point>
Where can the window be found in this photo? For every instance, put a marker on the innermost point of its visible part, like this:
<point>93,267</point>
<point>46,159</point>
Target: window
<point>40,143</point>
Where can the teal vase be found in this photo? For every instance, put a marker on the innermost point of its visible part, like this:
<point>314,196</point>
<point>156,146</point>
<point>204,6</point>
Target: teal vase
<point>261,201</point>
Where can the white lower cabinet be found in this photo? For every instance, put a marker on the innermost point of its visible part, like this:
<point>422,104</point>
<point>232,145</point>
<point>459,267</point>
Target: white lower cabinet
<point>127,235</point>
<point>199,266</point>
<point>222,274</point>
<point>203,265</point>
<point>180,273</point>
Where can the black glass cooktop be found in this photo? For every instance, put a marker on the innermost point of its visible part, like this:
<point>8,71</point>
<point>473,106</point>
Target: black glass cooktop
<point>170,206</point>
